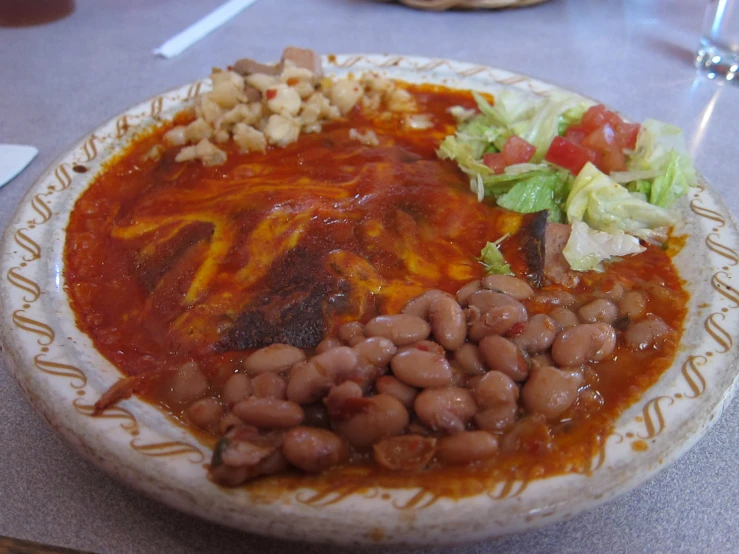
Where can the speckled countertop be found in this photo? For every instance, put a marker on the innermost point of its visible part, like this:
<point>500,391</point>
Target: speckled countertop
<point>60,80</point>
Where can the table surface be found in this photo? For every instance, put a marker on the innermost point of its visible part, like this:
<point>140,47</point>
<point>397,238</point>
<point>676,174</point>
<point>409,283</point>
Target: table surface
<point>59,81</point>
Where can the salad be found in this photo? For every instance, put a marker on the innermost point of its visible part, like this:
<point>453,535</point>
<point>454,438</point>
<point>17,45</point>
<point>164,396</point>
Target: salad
<point>613,181</point>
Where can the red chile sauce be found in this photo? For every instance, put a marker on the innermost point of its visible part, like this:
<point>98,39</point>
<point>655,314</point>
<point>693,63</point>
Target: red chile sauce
<point>391,221</point>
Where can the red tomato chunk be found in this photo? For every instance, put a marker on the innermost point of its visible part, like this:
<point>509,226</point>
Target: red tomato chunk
<point>517,151</point>
<point>495,161</point>
<point>569,155</point>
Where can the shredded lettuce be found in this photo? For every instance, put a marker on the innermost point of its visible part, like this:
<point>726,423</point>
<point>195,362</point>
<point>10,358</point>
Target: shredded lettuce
<point>545,125</point>
<point>634,202</point>
<point>493,260</point>
<point>587,248</point>
<point>607,206</point>
<point>661,154</point>
<point>537,191</point>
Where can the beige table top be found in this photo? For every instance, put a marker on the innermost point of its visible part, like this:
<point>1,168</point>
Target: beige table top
<point>61,80</point>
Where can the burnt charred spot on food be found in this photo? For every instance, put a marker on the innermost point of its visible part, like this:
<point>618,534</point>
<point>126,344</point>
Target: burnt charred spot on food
<point>288,308</point>
<point>622,323</point>
<point>154,260</point>
<point>534,247</point>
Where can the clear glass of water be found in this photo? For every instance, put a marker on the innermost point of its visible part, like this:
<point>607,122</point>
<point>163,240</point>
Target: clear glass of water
<point>718,54</point>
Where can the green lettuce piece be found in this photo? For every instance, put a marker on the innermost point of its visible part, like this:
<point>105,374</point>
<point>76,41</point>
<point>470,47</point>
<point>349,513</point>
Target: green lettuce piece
<point>546,123</point>
<point>587,248</point>
<point>462,152</point>
<point>660,149</point>
<point>493,260</point>
<point>537,191</point>
<point>673,183</point>
<point>607,206</point>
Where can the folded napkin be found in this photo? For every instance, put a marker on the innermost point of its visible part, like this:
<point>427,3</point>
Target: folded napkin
<point>13,159</point>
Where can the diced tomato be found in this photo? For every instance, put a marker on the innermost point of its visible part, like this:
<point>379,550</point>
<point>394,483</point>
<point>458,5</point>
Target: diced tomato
<point>612,160</point>
<point>626,134</point>
<point>567,154</point>
<point>597,116</point>
<point>603,141</point>
<point>517,151</point>
<point>494,161</point>
<point>575,134</point>
<point>271,93</point>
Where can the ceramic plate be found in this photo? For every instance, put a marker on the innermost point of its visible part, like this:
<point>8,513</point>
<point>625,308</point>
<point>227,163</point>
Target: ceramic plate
<point>62,374</point>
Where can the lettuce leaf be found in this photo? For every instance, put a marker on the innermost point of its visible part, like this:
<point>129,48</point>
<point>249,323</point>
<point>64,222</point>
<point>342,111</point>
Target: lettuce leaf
<point>607,206</point>
<point>661,153</point>
<point>546,124</point>
<point>493,260</point>
<point>537,191</point>
<point>587,248</point>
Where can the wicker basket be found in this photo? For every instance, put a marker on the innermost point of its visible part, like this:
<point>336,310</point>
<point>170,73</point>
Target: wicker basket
<point>440,5</point>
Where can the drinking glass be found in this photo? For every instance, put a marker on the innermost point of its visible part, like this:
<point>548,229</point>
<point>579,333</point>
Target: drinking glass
<point>718,53</point>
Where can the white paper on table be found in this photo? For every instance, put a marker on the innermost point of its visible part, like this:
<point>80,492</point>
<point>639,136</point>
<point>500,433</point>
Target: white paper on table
<point>13,159</point>
<point>182,41</point>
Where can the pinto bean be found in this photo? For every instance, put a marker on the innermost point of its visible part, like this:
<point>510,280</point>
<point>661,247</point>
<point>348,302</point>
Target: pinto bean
<point>228,422</point>
<point>426,346</point>
<point>469,359</point>
<point>314,450</point>
<point>537,335</point>
<point>420,305</point>
<point>418,368</point>
<point>485,299</point>
<point>404,453</point>
<point>464,293</point>
<point>448,322</point>
<point>387,384</point>
<point>646,334</point>
<point>269,413</point>
<point>307,383</point>
<point>633,305</point>
<point>531,434</point>
<point>553,298</point>
<point>351,331</point>
<point>205,413</point>
<point>187,384</point>
<point>612,291</point>
<point>446,409</point>
<point>242,454</point>
<point>497,321</point>
<point>502,355</point>
<point>260,459</point>
<point>237,388</point>
<point>498,418</point>
<point>563,318</point>
<point>494,388</point>
<point>550,392</point>
<point>583,343</point>
<point>374,418</point>
<point>467,447</point>
<point>273,358</point>
<point>269,385</point>
<point>512,286</point>
<point>337,396</point>
<point>377,350</point>
<point>402,329</point>
<point>337,363</point>
<point>327,344</point>
<point>599,310</point>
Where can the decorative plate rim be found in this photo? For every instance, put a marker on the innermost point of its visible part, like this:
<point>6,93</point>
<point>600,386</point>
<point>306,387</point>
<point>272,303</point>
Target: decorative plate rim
<point>60,372</point>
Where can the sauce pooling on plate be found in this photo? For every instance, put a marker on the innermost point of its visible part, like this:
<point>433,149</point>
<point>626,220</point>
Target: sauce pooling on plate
<point>181,272</point>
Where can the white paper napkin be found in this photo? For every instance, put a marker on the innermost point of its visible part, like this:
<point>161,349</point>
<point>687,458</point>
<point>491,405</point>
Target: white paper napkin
<point>13,159</point>
<point>180,42</point>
